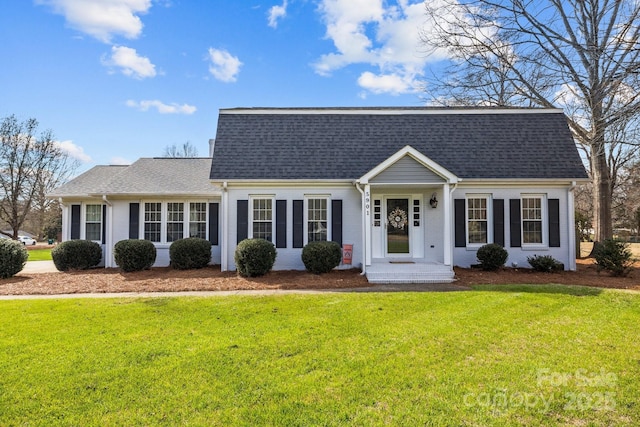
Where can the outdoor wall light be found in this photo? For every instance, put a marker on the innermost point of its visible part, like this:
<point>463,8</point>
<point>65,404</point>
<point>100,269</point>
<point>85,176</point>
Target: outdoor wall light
<point>433,202</point>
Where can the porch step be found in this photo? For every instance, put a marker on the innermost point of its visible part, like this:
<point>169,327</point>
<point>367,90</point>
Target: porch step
<point>386,272</point>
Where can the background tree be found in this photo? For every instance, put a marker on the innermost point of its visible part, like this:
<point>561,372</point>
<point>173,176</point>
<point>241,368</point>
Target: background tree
<point>30,166</point>
<point>579,55</point>
<point>184,150</point>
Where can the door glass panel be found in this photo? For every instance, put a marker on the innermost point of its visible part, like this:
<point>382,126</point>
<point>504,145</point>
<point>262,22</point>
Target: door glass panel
<point>398,226</point>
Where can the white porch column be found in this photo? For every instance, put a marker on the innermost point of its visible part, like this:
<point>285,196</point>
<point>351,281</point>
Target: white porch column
<point>224,244</point>
<point>367,223</point>
<point>108,239</point>
<point>448,247</point>
<point>66,214</point>
<point>571,229</point>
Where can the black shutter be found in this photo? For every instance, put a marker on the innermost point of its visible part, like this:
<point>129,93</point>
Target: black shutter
<point>134,220</point>
<point>514,222</point>
<point>298,223</point>
<point>243,220</point>
<point>104,223</point>
<point>498,221</point>
<point>281,223</point>
<point>554,223</point>
<point>75,222</point>
<point>214,227</point>
<point>459,219</point>
<point>336,221</point>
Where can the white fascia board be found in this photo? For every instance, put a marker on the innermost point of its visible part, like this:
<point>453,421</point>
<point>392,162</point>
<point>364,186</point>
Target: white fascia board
<point>522,182</point>
<point>389,111</point>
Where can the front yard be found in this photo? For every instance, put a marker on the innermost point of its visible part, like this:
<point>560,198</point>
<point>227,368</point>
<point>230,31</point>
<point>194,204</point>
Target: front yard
<point>503,355</point>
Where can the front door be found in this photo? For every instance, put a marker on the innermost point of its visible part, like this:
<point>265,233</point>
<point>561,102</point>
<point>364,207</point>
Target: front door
<point>397,223</point>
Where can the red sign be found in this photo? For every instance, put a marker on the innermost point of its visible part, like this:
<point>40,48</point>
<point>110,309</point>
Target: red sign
<point>347,253</point>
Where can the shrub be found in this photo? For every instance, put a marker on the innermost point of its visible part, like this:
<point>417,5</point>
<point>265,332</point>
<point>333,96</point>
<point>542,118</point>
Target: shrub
<point>254,257</point>
<point>134,254</point>
<point>13,257</point>
<point>613,256</point>
<point>193,252</point>
<point>545,263</point>
<point>76,255</point>
<point>492,256</point>
<point>321,257</point>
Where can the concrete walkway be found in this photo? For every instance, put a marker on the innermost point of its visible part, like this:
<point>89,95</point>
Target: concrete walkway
<point>38,267</point>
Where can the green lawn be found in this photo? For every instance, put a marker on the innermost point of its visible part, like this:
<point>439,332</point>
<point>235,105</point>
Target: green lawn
<point>520,355</point>
<point>40,255</point>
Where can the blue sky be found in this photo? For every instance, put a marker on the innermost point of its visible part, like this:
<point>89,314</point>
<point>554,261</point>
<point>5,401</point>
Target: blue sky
<point>121,79</point>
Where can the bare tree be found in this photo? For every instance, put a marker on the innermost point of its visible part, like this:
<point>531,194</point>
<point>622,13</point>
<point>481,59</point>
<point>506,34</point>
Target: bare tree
<point>185,150</point>
<point>30,166</point>
<point>581,55</point>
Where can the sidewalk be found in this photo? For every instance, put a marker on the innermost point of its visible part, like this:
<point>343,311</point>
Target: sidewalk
<point>38,267</point>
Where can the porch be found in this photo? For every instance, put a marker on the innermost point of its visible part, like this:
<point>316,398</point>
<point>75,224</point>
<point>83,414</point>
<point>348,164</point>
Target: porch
<point>408,271</point>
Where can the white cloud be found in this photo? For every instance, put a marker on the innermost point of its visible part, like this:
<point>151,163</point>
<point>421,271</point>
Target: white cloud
<point>393,84</point>
<point>277,12</point>
<point>383,34</point>
<point>102,19</point>
<point>161,107</point>
<point>121,161</point>
<point>224,66</point>
<point>130,63</point>
<point>74,151</point>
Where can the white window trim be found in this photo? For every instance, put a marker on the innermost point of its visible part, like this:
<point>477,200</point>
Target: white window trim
<point>489,199</point>
<point>305,216</point>
<point>273,214</point>
<point>544,219</point>
<point>187,221</point>
<point>164,213</point>
<point>83,222</point>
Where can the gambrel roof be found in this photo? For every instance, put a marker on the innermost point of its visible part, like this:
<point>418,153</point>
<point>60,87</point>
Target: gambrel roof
<point>346,143</point>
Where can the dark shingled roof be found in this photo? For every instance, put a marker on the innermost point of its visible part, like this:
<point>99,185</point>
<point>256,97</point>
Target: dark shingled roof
<point>334,144</point>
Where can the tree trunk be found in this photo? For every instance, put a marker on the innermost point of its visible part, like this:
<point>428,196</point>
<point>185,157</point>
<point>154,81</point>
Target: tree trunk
<point>603,228</point>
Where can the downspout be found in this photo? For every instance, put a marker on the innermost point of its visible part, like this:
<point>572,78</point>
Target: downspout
<point>108,239</point>
<point>224,245</point>
<point>571,227</point>
<point>363,231</point>
<point>65,220</point>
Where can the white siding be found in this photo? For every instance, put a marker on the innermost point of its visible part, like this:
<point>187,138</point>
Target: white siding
<point>289,258</point>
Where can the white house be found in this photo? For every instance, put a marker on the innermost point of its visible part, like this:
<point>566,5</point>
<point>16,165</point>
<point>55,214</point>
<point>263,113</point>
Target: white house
<point>414,190</point>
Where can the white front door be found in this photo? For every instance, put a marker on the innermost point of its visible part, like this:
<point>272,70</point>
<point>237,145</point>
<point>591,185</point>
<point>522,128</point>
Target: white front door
<point>398,225</point>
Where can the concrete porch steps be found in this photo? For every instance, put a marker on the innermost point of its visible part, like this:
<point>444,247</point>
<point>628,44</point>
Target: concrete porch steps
<point>385,271</point>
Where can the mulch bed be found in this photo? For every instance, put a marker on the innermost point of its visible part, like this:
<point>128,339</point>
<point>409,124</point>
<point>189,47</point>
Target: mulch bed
<point>212,279</point>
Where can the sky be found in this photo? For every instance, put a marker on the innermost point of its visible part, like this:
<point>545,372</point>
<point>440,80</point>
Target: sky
<point>116,80</point>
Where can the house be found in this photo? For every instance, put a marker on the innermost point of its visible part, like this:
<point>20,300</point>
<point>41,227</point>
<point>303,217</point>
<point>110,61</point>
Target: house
<point>414,190</point>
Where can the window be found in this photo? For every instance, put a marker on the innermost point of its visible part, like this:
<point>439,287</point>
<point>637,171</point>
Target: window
<point>532,220</point>
<point>477,220</point>
<point>152,221</point>
<point>198,220</point>
<point>175,221</point>
<point>93,223</point>
<point>262,219</point>
<point>316,220</point>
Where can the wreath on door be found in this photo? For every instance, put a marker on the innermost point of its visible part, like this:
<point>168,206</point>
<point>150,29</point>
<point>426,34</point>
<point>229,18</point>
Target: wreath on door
<point>398,218</point>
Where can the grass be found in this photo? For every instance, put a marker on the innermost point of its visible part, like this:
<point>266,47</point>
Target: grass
<point>40,255</point>
<point>498,355</point>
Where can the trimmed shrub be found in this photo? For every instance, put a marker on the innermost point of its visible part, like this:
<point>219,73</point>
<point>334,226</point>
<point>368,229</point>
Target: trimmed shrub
<point>186,254</point>
<point>613,256</point>
<point>321,257</point>
<point>545,263</point>
<point>134,254</point>
<point>13,257</point>
<point>254,257</point>
<point>76,255</point>
<point>492,256</point>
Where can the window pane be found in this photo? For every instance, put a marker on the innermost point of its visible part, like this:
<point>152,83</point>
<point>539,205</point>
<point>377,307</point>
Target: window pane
<point>477,220</point>
<point>198,220</point>
<point>94,213</point>
<point>532,220</point>
<point>94,231</point>
<point>316,220</point>
<point>152,221</point>
<point>262,219</point>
